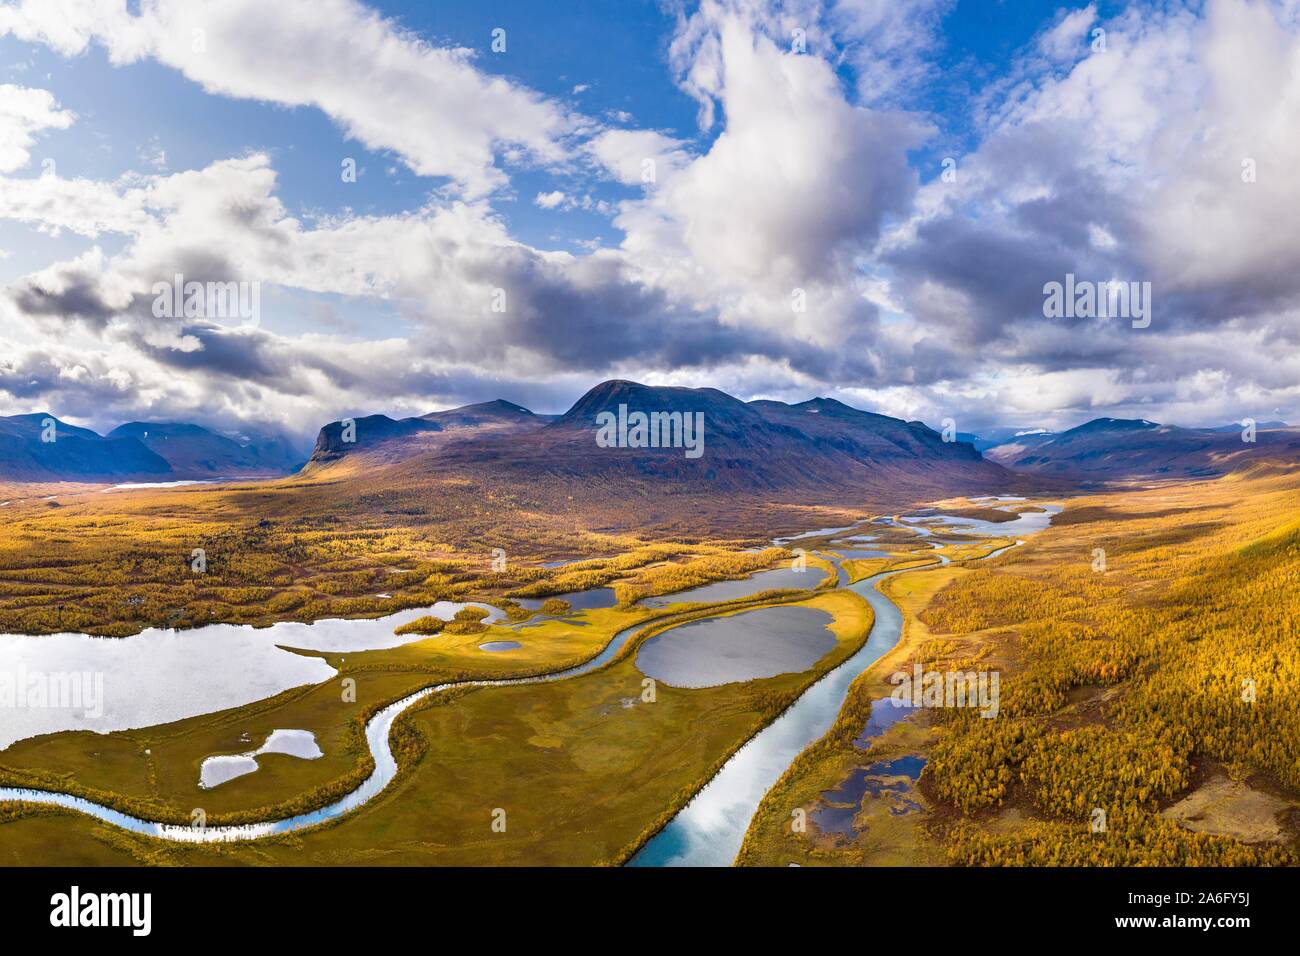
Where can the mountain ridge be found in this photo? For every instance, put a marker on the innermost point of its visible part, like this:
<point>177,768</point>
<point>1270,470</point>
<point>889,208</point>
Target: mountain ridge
<point>32,451</point>
<point>1117,449</point>
<point>820,450</point>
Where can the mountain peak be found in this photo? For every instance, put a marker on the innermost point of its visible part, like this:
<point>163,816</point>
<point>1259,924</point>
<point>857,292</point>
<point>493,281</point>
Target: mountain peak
<point>505,406</point>
<point>143,429</point>
<point>607,396</point>
<point>496,410</point>
<point>1112,425</point>
<point>36,417</point>
<point>818,405</point>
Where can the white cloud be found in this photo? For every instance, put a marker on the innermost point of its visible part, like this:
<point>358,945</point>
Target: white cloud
<point>638,157</point>
<point>1065,40</point>
<point>24,112</point>
<point>1123,164</point>
<point>791,194</point>
<point>84,206</point>
<point>385,87</point>
<point>788,198</point>
<point>890,45</point>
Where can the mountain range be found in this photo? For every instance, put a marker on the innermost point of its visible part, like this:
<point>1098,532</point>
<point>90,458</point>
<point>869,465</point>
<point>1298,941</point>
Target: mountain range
<point>820,447</point>
<point>816,449</point>
<point>1112,449</point>
<point>39,447</point>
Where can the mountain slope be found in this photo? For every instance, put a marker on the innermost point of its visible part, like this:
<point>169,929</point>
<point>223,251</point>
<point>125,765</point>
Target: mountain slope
<point>485,414</point>
<point>379,440</point>
<point>192,451</point>
<point>815,453</point>
<point>1028,437</point>
<point>865,435</point>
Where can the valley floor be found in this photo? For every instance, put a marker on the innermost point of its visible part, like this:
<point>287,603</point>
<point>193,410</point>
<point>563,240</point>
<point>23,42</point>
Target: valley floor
<point>1125,636</point>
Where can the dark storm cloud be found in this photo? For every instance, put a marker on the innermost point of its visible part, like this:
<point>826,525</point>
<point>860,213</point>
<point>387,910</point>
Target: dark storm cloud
<point>74,294</point>
<point>33,376</point>
<point>999,275</point>
<point>39,381</point>
<point>591,315</point>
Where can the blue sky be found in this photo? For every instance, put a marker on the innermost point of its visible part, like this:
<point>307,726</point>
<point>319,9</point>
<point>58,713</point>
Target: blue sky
<point>614,49</point>
<point>814,170</point>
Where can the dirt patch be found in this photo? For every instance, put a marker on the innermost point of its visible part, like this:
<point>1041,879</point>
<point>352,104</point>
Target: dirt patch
<point>1225,808</point>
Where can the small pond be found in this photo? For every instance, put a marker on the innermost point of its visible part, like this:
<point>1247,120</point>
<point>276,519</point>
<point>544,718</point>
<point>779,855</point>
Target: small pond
<point>739,647</point>
<point>293,743</point>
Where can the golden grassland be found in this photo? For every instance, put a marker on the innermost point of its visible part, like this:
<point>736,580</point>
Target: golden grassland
<point>328,541</point>
<point>585,768</point>
<point>1123,690</point>
<point>115,563</point>
<point>307,566</point>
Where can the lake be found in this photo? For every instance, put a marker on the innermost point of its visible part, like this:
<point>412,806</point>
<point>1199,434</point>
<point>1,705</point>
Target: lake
<point>738,647</point>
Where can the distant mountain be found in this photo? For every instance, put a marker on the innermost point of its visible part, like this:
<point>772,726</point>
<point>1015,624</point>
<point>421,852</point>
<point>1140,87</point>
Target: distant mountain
<point>867,435</point>
<point>1259,426</point>
<point>138,451</point>
<point>486,414</point>
<point>1017,446</point>
<point>193,451</point>
<point>992,437</point>
<point>73,454</point>
<point>817,451</point>
<point>1111,449</point>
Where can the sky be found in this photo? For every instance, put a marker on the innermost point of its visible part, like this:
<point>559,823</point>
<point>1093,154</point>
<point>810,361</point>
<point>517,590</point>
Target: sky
<point>428,204</point>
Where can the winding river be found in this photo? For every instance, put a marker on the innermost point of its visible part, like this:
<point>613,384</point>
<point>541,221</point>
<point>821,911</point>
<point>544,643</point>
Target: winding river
<point>708,831</point>
<point>377,736</point>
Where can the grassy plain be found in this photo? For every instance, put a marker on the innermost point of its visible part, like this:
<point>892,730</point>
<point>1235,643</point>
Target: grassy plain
<point>584,767</point>
<point>116,562</point>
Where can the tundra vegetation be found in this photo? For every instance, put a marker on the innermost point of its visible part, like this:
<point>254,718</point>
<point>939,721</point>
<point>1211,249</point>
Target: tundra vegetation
<point>1126,686</point>
<point>115,564</point>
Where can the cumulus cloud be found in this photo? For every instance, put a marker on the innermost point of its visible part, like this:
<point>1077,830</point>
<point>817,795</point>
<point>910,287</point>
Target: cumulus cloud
<point>1142,161</point>
<point>638,157</point>
<point>24,112</point>
<point>794,246</point>
<point>361,69</point>
<point>769,224</point>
